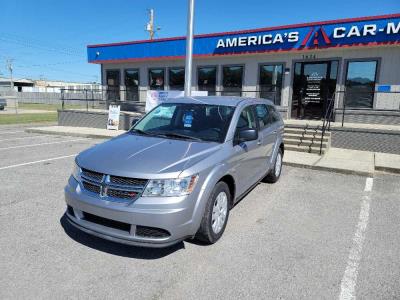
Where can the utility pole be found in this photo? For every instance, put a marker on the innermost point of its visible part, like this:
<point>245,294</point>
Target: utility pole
<point>10,69</point>
<point>189,49</point>
<point>150,25</point>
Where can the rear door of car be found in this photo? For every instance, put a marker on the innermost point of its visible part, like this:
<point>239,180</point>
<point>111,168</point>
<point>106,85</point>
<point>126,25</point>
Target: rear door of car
<point>267,132</point>
<point>247,154</point>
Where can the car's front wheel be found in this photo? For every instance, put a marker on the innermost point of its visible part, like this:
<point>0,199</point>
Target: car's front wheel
<point>275,173</point>
<point>215,215</point>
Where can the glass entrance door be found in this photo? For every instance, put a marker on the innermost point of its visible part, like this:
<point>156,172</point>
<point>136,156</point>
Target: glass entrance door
<point>132,84</point>
<point>313,88</point>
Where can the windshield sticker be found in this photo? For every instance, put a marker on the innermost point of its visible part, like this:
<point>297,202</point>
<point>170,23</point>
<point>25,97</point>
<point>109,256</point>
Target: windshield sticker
<point>188,119</point>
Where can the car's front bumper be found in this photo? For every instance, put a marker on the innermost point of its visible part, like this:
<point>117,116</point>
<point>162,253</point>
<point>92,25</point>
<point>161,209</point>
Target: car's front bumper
<point>174,215</point>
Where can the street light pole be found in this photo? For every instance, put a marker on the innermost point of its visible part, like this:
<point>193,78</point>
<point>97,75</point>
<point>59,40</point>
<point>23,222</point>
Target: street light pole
<point>189,50</point>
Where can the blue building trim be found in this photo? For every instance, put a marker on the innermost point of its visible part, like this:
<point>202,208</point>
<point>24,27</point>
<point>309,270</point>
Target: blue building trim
<point>366,31</point>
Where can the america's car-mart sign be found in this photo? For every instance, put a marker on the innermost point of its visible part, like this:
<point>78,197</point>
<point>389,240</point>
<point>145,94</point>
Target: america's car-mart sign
<point>368,31</point>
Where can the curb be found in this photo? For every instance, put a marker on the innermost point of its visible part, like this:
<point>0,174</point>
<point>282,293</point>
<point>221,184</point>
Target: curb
<point>73,134</point>
<point>387,170</point>
<point>328,169</point>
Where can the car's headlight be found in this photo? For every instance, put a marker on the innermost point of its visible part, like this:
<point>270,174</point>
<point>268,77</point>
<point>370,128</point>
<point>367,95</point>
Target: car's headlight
<point>170,187</point>
<point>76,172</point>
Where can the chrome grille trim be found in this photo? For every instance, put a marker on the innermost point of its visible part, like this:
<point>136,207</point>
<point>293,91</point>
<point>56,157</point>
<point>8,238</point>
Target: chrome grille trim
<point>92,175</point>
<point>111,187</point>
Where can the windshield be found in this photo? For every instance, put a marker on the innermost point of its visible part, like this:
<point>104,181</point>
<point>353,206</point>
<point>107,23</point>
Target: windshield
<point>200,122</point>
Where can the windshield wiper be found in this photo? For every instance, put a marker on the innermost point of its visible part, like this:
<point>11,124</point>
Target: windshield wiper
<point>144,132</point>
<point>180,136</point>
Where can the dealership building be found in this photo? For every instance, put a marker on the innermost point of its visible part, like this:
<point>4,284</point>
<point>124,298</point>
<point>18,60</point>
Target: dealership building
<point>351,64</point>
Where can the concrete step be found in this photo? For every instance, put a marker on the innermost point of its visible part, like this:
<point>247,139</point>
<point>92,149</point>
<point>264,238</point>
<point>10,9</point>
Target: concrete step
<point>307,149</point>
<point>308,132</point>
<point>308,137</point>
<point>305,143</point>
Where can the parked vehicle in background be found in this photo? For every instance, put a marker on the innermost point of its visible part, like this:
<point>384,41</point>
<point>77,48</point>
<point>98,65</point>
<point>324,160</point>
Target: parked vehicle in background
<point>3,103</point>
<point>177,172</point>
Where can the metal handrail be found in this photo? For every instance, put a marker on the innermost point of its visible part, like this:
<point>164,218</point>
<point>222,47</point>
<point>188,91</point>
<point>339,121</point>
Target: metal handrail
<point>326,124</point>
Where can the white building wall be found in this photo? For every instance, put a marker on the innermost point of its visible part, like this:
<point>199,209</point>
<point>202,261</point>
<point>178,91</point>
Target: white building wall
<point>388,69</point>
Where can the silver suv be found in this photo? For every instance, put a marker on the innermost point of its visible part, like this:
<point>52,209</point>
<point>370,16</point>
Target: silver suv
<point>177,172</point>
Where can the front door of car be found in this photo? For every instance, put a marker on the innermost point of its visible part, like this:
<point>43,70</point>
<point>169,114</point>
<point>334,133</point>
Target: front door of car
<point>267,132</point>
<point>247,154</point>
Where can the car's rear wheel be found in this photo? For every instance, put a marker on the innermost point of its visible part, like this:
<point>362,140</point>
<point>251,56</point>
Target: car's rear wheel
<point>275,173</point>
<point>215,215</point>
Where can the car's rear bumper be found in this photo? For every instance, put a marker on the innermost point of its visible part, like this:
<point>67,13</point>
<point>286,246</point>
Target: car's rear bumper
<point>134,223</point>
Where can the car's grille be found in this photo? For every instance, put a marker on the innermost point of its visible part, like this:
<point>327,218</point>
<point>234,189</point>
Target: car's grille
<point>106,222</point>
<point>127,181</point>
<point>151,232</point>
<point>114,188</point>
<point>92,175</point>
<point>121,194</point>
<point>141,231</point>
<point>91,187</point>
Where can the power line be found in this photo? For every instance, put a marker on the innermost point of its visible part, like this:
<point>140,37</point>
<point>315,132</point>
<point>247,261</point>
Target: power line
<point>52,64</point>
<point>27,45</point>
<point>41,43</point>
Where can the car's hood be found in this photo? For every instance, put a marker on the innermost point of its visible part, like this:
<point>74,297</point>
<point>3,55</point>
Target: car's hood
<point>137,156</point>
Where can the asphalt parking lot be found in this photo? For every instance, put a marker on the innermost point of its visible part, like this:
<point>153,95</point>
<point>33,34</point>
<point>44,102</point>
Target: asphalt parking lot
<point>313,235</point>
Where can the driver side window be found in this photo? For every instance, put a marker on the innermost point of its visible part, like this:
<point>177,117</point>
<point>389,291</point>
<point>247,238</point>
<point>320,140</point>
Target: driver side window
<point>246,119</point>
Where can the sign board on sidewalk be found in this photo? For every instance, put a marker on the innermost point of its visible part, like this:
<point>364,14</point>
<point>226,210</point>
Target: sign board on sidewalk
<point>113,117</point>
<point>155,98</point>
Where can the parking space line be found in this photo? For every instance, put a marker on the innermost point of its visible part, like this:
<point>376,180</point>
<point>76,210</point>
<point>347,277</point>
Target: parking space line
<point>42,144</point>
<point>36,162</point>
<point>349,280</point>
<point>10,132</point>
<point>368,184</point>
<point>27,137</point>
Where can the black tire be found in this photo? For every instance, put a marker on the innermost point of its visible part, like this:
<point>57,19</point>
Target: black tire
<point>206,233</point>
<point>273,175</point>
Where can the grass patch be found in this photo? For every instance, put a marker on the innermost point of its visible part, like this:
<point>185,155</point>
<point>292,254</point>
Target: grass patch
<point>27,118</point>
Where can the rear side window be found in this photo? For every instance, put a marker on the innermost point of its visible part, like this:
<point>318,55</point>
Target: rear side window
<point>246,119</point>
<point>263,115</point>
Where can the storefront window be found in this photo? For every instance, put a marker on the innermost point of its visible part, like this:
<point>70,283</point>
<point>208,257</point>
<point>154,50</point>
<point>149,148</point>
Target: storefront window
<point>156,79</point>
<point>207,79</point>
<point>132,84</point>
<point>270,80</point>
<point>232,80</point>
<point>360,83</point>
<point>176,79</point>
<point>113,83</point>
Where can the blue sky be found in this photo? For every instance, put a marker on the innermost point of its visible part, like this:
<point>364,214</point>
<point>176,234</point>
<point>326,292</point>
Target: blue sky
<point>48,38</point>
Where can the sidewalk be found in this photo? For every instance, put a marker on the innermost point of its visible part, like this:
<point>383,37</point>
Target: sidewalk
<point>345,161</point>
<point>336,160</point>
<point>76,131</point>
<point>394,129</point>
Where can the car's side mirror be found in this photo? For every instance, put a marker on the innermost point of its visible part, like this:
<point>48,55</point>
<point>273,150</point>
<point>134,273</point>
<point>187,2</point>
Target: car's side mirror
<point>246,135</point>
